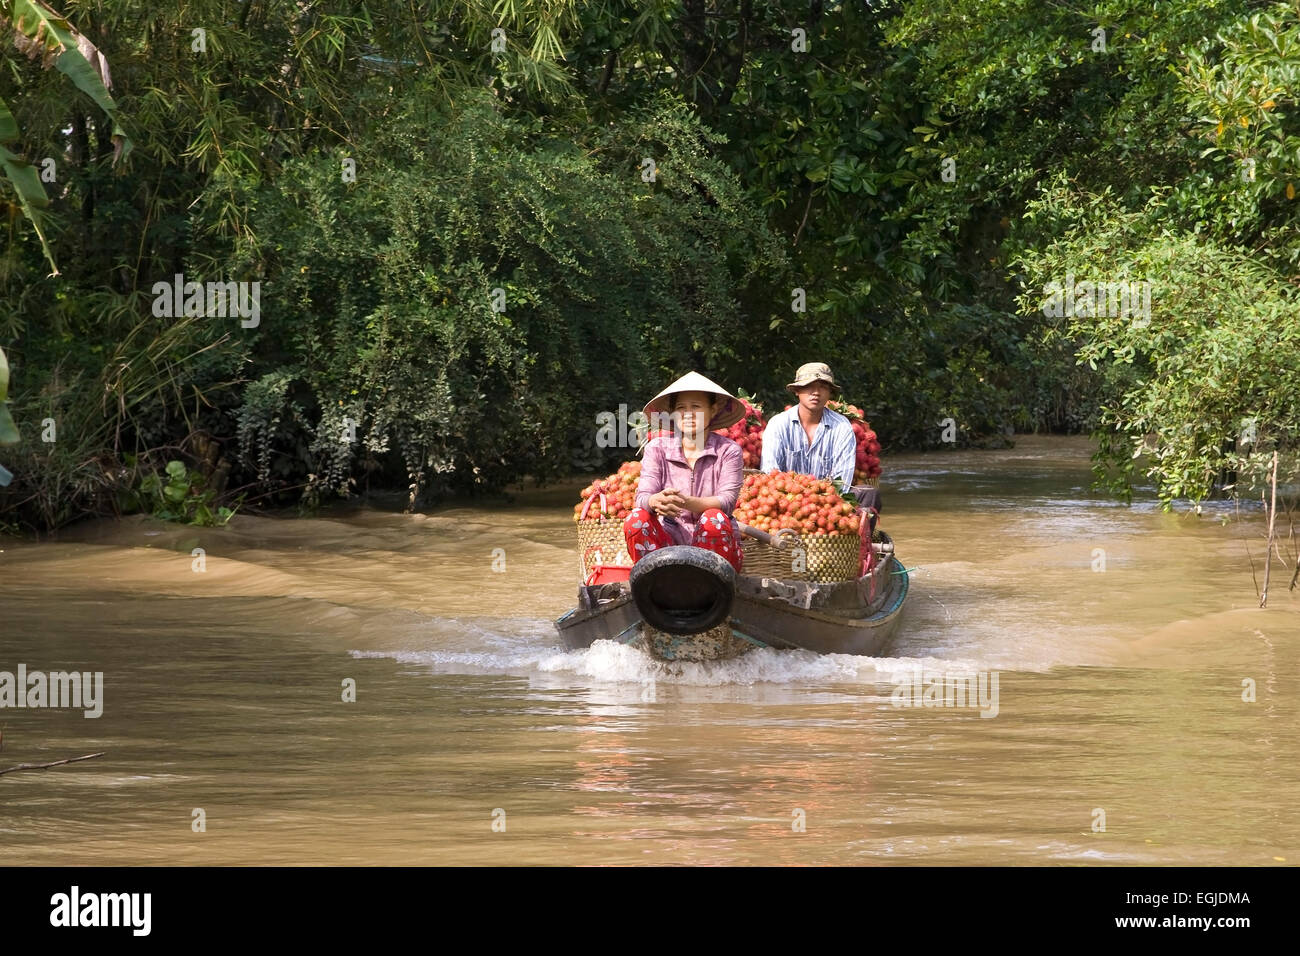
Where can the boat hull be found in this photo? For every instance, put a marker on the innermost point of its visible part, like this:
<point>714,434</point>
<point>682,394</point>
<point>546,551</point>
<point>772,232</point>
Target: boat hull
<point>853,617</point>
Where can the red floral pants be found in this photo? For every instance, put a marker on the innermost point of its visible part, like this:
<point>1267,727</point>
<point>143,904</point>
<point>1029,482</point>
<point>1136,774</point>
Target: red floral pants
<point>713,532</point>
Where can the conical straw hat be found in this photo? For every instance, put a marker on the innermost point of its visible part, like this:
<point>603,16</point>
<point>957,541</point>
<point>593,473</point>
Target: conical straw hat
<point>732,410</point>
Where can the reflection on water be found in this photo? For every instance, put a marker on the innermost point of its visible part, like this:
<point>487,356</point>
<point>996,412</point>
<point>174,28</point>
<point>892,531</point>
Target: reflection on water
<point>1119,690</point>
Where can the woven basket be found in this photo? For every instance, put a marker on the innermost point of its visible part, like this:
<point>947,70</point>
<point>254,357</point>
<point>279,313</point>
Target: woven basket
<point>601,542</point>
<point>825,558</point>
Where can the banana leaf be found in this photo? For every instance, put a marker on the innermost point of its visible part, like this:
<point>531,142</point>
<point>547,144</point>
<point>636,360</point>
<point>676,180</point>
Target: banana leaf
<point>23,176</point>
<point>41,33</point>
<point>8,431</point>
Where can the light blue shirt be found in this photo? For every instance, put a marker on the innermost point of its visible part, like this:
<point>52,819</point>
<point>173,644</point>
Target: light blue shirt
<point>833,452</point>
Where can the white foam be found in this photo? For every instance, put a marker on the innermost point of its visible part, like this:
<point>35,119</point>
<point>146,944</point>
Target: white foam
<point>527,655</point>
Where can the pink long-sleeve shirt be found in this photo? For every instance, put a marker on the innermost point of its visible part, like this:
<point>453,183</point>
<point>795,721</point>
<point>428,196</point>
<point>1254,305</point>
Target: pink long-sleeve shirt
<point>717,474</point>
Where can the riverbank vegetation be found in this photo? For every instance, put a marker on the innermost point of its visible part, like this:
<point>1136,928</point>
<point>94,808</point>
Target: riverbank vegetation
<point>464,233</point>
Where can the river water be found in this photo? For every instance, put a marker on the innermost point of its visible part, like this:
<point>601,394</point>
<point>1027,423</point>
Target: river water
<point>1123,640</point>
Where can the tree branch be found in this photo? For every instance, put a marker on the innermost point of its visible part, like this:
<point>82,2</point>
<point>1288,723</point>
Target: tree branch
<point>609,72</point>
<point>46,766</point>
<point>805,216</point>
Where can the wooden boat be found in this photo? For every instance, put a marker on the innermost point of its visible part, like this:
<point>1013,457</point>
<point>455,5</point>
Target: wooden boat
<point>687,604</point>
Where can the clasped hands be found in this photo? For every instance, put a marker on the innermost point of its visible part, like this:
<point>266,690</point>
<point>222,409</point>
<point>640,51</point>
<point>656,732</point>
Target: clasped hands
<point>669,503</point>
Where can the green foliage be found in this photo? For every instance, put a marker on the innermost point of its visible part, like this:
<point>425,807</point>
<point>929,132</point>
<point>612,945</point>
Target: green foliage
<point>1202,395</point>
<point>1127,142</point>
<point>1244,90</point>
<point>826,141</point>
<point>381,360</point>
<point>147,387</point>
<point>384,301</point>
<point>180,494</point>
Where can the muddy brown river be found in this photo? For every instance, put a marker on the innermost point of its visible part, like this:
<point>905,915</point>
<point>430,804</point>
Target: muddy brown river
<point>1123,641</point>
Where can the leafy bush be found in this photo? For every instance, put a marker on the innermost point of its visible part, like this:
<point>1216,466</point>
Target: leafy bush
<point>179,494</point>
<point>381,346</point>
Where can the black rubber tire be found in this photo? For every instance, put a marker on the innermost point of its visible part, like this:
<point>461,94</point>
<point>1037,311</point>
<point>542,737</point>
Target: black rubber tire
<point>683,589</point>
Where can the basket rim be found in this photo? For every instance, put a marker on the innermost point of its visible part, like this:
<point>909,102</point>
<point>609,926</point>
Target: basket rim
<point>873,482</point>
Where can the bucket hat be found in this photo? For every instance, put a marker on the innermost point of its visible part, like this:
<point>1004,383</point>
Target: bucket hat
<point>814,372</point>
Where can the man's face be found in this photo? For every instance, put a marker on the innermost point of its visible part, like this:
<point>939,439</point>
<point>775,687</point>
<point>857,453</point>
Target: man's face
<point>814,396</point>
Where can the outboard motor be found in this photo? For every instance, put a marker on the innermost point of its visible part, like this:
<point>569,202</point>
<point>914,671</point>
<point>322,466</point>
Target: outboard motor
<point>683,589</point>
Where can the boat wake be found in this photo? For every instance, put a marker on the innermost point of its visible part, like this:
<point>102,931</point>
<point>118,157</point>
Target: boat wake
<point>527,649</point>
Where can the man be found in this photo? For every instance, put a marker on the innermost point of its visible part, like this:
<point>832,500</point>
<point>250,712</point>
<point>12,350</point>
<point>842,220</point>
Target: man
<point>810,438</point>
<point>815,440</point>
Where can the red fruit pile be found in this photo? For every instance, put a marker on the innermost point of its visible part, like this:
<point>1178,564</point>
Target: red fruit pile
<point>619,490</point>
<point>786,499</point>
<point>868,455</point>
<point>748,433</point>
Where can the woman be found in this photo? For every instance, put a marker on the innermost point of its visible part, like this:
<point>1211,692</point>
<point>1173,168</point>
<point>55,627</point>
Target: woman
<point>690,478</point>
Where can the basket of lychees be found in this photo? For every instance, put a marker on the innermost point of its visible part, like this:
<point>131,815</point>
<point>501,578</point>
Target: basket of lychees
<point>820,528</point>
<point>599,518</point>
